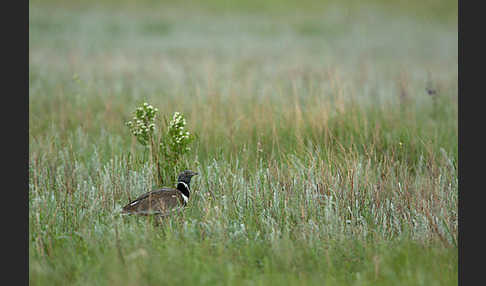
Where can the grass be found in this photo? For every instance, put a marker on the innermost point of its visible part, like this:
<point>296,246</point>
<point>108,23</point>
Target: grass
<point>322,158</point>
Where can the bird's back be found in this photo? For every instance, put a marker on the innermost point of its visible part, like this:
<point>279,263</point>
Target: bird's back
<point>161,201</point>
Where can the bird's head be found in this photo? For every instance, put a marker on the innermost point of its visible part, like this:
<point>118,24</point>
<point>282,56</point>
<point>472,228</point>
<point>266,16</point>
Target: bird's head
<point>186,176</point>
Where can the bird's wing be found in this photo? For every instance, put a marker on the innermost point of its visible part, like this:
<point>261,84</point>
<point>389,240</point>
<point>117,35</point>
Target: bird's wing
<point>143,196</point>
<point>155,202</point>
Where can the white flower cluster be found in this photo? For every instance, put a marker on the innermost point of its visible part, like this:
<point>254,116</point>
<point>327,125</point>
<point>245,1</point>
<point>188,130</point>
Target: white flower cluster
<point>176,132</point>
<point>142,125</point>
<point>178,120</point>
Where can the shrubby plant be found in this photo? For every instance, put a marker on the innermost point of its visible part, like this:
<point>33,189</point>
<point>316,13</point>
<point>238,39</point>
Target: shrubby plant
<point>142,125</point>
<point>178,139</point>
<point>169,148</point>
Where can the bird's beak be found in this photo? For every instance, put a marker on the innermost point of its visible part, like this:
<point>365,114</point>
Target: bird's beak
<point>195,173</point>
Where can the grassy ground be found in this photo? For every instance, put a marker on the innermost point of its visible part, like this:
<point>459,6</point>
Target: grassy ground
<point>322,158</point>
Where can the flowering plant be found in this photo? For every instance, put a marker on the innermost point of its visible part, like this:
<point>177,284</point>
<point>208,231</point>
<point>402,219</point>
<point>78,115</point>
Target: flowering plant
<point>172,146</point>
<point>178,139</point>
<point>142,125</point>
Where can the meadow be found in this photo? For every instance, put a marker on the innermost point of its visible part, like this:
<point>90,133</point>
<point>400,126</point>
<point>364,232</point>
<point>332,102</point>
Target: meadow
<point>326,141</point>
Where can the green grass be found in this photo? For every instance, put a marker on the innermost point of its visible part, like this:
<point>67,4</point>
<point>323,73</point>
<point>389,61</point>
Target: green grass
<point>322,159</point>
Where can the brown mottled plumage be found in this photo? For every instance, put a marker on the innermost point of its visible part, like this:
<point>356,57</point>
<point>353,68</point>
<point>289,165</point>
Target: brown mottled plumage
<point>164,201</point>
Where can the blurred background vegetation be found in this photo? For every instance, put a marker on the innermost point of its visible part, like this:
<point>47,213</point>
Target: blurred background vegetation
<point>428,10</point>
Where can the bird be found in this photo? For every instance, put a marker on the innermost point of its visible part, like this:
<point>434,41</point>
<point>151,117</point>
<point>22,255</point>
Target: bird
<point>163,201</point>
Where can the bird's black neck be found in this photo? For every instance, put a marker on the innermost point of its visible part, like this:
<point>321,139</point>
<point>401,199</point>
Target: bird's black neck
<point>184,188</point>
